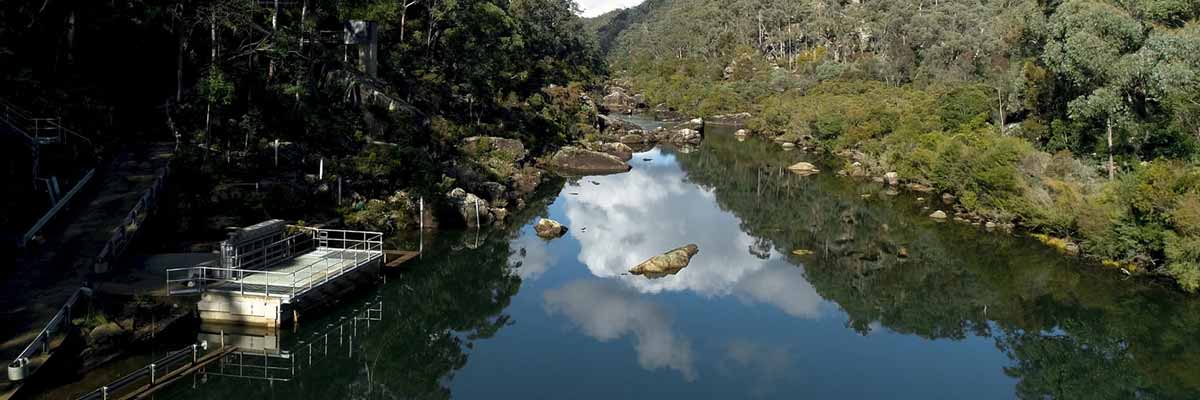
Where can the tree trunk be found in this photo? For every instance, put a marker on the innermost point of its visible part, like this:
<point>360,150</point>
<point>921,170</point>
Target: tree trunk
<point>1112,167</point>
<point>1000,114</point>
<point>212,67</point>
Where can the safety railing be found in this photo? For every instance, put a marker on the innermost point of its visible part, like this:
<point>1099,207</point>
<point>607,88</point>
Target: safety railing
<point>169,364</point>
<point>123,234</point>
<point>343,251</point>
<point>275,252</point>
<point>37,130</point>
<point>18,369</point>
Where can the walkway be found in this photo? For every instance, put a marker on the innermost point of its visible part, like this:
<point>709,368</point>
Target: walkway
<point>94,231</point>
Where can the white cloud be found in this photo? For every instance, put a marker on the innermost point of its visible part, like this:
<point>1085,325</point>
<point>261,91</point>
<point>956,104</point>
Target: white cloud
<point>592,8</point>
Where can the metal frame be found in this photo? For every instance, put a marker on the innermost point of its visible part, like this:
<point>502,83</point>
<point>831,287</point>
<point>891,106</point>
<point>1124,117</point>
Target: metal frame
<point>347,251</point>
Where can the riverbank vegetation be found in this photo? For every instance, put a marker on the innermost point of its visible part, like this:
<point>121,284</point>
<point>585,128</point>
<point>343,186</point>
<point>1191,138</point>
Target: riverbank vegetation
<point>888,268</point>
<point>1076,119</point>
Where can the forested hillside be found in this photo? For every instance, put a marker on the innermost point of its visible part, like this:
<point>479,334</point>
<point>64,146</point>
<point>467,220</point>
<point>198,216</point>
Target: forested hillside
<point>260,91</point>
<point>1076,118</point>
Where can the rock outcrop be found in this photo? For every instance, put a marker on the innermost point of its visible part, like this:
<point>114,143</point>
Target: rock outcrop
<point>613,127</point>
<point>618,99</point>
<point>574,160</point>
<point>737,120</point>
<point>618,150</point>
<point>686,136</point>
<point>668,263</point>
<point>474,210</point>
<point>499,156</point>
<point>549,229</point>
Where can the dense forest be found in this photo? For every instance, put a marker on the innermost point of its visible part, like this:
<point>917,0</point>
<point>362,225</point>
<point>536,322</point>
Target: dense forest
<point>1079,118</point>
<point>265,92</point>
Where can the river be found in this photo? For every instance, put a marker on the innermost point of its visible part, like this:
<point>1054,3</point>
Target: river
<point>889,305</point>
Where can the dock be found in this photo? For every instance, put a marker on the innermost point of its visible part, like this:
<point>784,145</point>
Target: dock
<point>396,258</point>
<point>270,270</point>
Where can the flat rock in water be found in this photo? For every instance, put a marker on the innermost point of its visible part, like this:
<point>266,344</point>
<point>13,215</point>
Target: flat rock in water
<point>668,263</point>
<point>804,169</point>
<point>549,229</point>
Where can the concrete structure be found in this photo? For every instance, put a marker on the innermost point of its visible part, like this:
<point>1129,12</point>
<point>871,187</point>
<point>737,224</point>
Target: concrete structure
<point>270,271</point>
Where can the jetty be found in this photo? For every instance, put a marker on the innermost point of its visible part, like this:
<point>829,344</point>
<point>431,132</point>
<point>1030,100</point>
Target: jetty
<point>269,272</point>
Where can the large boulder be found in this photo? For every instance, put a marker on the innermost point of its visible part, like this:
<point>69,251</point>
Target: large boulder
<point>611,126</point>
<point>619,150</point>
<point>549,229</point>
<point>512,149</point>
<point>473,209</point>
<point>526,181</point>
<point>499,156</point>
<point>696,124</point>
<point>633,138</point>
<point>668,263</point>
<point>574,160</point>
<point>618,99</point>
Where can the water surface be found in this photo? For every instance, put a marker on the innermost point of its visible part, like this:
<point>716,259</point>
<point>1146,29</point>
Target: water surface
<point>505,314</point>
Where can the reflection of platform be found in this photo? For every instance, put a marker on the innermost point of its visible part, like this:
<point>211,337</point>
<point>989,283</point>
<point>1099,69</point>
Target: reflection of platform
<point>260,357</point>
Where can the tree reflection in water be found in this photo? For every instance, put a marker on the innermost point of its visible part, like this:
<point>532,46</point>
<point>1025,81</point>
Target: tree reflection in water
<point>1072,330</point>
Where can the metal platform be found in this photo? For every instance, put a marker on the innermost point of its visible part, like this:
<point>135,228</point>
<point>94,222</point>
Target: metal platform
<point>285,269</point>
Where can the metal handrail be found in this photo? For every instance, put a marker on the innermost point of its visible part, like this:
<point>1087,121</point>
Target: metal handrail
<point>18,367</point>
<point>349,255</point>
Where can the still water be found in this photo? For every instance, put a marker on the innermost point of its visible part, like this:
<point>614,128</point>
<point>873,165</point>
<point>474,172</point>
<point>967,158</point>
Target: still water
<point>504,314</point>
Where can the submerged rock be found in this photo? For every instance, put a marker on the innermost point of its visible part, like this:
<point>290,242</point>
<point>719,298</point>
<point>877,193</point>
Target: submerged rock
<point>549,229</point>
<point>582,161</point>
<point>804,169</point>
<point>938,215</point>
<point>668,263</point>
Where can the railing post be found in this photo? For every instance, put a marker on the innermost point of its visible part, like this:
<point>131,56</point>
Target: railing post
<point>194,353</point>
<point>152,370</point>
<point>104,392</point>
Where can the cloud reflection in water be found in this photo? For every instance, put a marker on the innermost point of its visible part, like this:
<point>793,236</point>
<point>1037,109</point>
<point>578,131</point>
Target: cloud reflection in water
<point>633,216</point>
<point>607,311</point>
